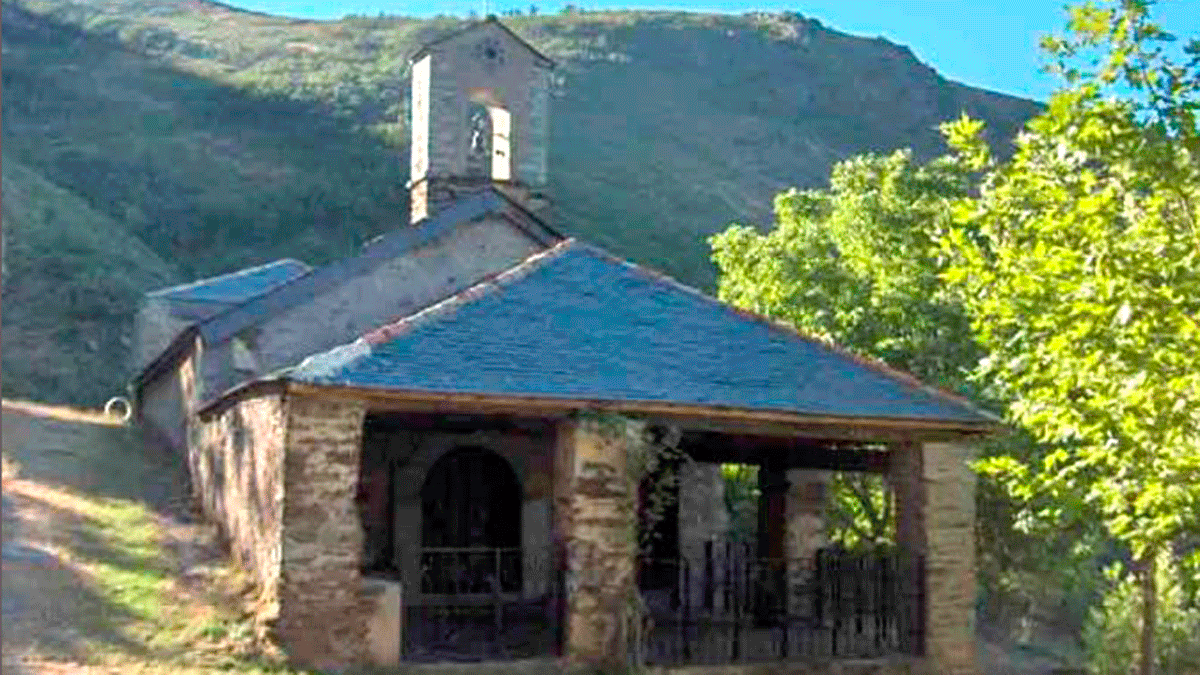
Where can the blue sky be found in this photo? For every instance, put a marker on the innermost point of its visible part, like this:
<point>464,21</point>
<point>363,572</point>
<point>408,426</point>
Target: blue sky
<point>989,44</point>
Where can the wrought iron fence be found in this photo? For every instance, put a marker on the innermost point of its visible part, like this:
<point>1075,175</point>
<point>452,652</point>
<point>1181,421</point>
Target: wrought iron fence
<point>480,604</point>
<point>723,605</point>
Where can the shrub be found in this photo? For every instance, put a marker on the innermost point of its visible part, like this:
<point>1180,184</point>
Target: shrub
<point>1111,634</point>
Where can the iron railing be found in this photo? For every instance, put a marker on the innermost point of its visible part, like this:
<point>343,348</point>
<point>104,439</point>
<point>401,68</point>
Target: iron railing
<point>479,604</point>
<point>723,605</point>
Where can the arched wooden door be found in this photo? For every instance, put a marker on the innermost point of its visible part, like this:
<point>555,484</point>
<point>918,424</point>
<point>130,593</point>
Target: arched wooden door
<point>471,524</point>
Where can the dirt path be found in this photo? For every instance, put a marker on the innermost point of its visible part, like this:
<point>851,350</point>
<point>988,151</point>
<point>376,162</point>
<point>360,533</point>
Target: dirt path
<point>97,548</point>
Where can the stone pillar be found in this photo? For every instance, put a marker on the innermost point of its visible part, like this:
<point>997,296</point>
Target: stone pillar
<point>950,557</point>
<point>702,513</point>
<point>324,605</point>
<point>935,518</point>
<point>703,518</point>
<point>805,528</point>
<point>806,512</point>
<point>596,516</point>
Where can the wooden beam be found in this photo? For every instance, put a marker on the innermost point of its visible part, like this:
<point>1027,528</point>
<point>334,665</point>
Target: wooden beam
<point>455,422</point>
<point>787,452</point>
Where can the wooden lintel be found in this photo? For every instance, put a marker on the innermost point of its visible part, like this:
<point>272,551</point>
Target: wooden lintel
<point>784,453</point>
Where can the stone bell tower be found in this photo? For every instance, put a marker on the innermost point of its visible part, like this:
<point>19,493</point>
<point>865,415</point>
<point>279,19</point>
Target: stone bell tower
<point>480,117</point>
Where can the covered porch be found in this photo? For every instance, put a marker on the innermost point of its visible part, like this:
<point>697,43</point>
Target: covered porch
<point>511,533</point>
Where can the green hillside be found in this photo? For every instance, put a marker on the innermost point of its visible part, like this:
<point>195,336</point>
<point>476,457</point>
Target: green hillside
<point>72,277</point>
<point>218,138</point>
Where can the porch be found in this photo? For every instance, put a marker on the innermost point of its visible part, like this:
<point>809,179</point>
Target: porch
<point>507,539</point>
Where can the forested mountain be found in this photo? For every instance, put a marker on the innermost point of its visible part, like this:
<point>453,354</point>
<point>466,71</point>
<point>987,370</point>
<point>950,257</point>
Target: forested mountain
<point>152,141</point>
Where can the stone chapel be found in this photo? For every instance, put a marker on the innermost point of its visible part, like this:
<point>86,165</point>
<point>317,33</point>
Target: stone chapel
<point>434,450</point>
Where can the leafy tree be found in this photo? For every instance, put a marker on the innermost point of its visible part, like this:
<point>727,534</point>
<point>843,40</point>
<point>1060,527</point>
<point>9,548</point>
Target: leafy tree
<point>861,515</point>
<point>856,264</point>
<point>1079,261</point>
<point>1111,632</point>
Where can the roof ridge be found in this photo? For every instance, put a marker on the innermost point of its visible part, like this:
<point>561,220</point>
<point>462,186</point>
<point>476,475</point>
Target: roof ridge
<point>228,275</point>
<point>485,286</point>
<point>875,364</point>
<point>526,212</point>
<point>472,25</point>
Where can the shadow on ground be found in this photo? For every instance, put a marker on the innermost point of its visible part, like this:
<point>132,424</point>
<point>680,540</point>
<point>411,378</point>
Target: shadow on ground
<point>50,607</point>
<point>95,455</point>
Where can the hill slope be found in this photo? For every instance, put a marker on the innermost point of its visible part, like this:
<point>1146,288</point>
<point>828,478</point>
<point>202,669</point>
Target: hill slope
<point>102,574</point>
<point>72,277</point>
<point>221,138</point>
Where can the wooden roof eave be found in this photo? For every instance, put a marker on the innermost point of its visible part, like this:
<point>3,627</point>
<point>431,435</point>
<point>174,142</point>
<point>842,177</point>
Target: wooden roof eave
<point>697,417</point>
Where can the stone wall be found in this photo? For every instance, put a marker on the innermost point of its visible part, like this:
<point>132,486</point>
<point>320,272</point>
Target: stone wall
<point>324,607</point>
<point>454,78</point>
<point>236,464</point>
<point>389,292</point>
<point>166,401</point>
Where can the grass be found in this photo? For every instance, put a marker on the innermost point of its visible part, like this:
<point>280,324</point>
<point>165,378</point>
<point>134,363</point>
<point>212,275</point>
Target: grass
<point>98,577</point>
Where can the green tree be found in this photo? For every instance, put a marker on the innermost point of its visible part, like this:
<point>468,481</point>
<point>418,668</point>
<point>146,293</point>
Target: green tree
<point>1079,261</point>
<point>1111,633</point>
<point>857,264</point>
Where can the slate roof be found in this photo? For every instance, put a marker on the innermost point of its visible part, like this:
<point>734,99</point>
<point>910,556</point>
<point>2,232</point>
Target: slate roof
<point>236,286</point>
<point>575,323</point>
<point>384,248</point>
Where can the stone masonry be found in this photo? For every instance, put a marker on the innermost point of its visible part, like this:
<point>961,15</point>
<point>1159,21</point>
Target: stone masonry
<point>805,531</point>
<point>935,516</point>
<point>596,507</point>
<point>450,77</point>
<point>805,512</point>
<point>394,289</point>
<point>702,513</point>
<point>324,606</point>
<point>236,470</point>
<point>950,557</point>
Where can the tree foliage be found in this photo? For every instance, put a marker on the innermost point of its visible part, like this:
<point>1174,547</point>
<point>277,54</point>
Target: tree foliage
<point>859,264</point>
<point>1079,262</point>
<point>1111,632</point>
<point>856,264</point>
